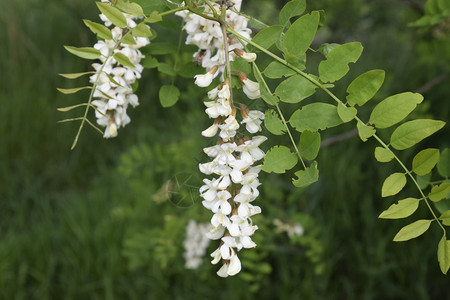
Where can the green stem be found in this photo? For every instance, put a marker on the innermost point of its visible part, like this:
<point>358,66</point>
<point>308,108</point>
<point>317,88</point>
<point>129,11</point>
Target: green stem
<point>173,10</point>
<point>318,84</point>
<point>281,115</point>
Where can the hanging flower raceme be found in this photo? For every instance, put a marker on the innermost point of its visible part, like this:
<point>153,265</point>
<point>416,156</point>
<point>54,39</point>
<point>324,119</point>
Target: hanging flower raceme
<point>207,35</point>
<point>233,185</point>
<point>114,90</point>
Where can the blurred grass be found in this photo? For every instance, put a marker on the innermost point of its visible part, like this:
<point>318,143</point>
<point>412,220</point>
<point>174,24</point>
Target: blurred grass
<point>69,219</point>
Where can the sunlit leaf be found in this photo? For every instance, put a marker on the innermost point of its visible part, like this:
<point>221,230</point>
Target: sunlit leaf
<point>364,87</point>
<point>424,161</point>
<point>445,218</point>
<point>113,14</point>
<point>141,30</point>
<point>393,184</point>
<point>75,75</point>
<point>267,37</point>
<point>315,116</point>
<point>412,230</point>
<point>412,132</point>
<point>154,17</point>
<point>84,52</point>
<point>403,209</point>
<point>131,8</point>
<point>74,90</point>
<point>383,154</point>
<point>365,131</point>
<point>439,192</point>
<point>68,108</point>
<point>394,109</point>
<point>101,30</point>
<point>336,64</point>
<point>279,159</point>
<point>346,113</point>
<point>306,177</point>
<point>123,60</point>
<point>300,34</point>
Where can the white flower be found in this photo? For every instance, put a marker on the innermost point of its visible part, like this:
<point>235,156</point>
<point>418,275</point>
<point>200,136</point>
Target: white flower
<point>210,131</point>
<point>195,244</point>
<point>204,80</point>
<point>253,121</point>
<point>251,89</point>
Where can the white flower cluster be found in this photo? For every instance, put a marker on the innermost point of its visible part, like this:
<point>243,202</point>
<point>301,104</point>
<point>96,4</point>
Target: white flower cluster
<point>234,186</point>
<point>207,35</point>
<point>114,92</point>
<point>195,244</point>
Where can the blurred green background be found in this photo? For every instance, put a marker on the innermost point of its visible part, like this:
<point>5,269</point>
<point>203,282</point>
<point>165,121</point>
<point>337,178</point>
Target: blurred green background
<point>95,223</point>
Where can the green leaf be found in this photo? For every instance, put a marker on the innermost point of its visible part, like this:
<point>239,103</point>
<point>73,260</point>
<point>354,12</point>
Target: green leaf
<point>75,75</point>
<point>273,123</point>
<point>168,95</point>
<point>74,90</point>
<point>403,209</point>
<point>443,165</point>
<point>412,230</point>
<point>295,89</point>
<point>425,161</point>
<point>445,217</point>
<point>300,34</point>
<point>307,176</point>
<point>326,48</point>
<point>423,181</point>
<point>364,87</point>
<point>131,8</point>
<point>141,30</point>
<point>113,14</point>
<point>279,159</point>
<point>154,17</point>
<point>84,52</point>
<point>277,70</point>
<point>443,254</point>
<point>336,64</point>
<point>166,69</point>
<point>412,132</point>
<point>100,30</point>
<point>346,113</point>
<point>267,37</point>
<point>128,39</point>
<point>365,131</point>
<point>394,109</point>
<point>123,60</point>
<point>393,184</point>
<point>149,62</point>
<point>309,144</point>
<point>69,108</point>
<point>291,9</point>
<point>439,192</point>
<point>315,116</point>
<point>383,155</point>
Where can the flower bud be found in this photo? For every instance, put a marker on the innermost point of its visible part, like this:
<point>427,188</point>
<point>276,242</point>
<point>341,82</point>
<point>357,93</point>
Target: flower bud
<point>204,80</point>
<point>250,57</point>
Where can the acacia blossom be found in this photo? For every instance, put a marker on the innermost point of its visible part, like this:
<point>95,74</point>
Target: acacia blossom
<point>114,92</point>
<point>233,184</point>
